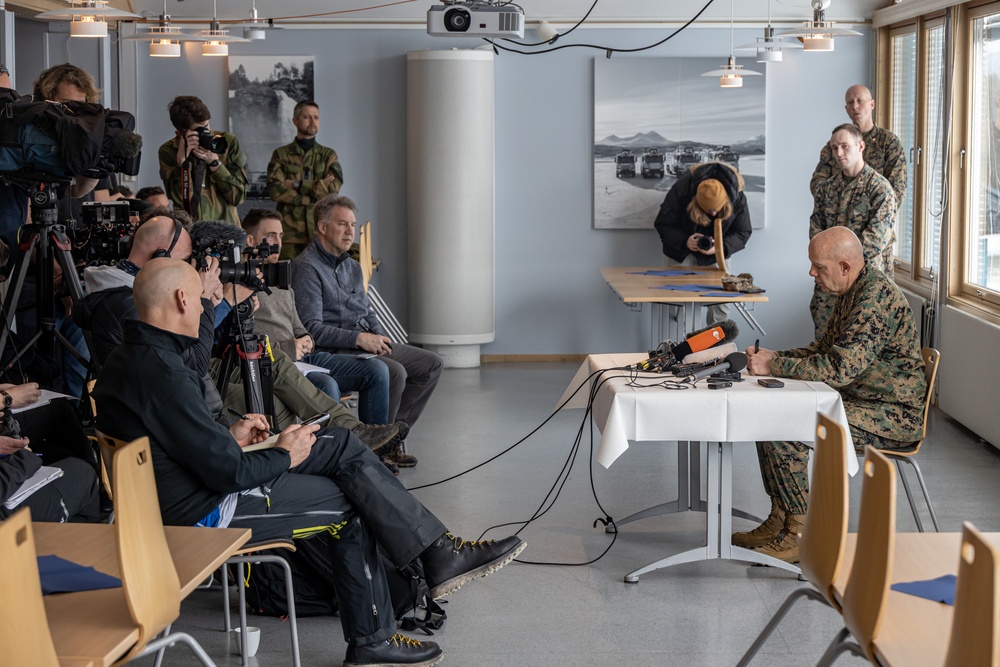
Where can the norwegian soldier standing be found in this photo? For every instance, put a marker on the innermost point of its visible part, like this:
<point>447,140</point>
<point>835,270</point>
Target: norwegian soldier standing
<point>856,196</point>
<point>869,353</point>
<point>299,175</point>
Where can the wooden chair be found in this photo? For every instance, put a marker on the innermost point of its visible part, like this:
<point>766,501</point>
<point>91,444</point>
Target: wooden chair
<point>365,252</point>
<point>975,626</point>
<point>105,455</point>
<point>867,588</point>
<point>149,579</point>
<point>932,360</point>
<point>821,545</point>
<point>24,628</point>
<point>109,447</point>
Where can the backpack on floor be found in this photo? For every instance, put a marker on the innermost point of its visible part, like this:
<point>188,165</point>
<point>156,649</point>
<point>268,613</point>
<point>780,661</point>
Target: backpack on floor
<point>315,594</point>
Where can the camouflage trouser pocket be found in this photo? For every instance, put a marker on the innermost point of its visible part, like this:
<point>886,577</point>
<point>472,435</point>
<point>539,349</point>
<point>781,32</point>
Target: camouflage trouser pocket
<point>784,467</point>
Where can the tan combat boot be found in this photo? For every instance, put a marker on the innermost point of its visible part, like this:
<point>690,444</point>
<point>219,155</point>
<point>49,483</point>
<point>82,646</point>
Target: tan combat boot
<point>786,546</point>
<point>765,533</point>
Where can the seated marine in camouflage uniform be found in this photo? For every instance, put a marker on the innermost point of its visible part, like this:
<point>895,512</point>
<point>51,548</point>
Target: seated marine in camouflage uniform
<point>859,198</point>
<point>869,353</point>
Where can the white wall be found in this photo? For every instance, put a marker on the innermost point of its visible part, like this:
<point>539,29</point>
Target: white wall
<point>550,297</point>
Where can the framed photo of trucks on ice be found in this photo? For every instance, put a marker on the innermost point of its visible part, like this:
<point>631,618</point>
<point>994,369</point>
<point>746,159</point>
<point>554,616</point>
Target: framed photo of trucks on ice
<point>654,118</point>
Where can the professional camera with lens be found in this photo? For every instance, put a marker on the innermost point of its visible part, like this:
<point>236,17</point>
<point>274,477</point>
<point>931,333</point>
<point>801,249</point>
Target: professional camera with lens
<point>211,141</point>
<point>705,242</point>
<point>242,268</point>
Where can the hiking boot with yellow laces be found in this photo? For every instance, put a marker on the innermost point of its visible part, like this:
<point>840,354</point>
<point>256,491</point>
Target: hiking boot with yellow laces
<point>395,651</point>
<point>452,562</point>
<point>765,533</point>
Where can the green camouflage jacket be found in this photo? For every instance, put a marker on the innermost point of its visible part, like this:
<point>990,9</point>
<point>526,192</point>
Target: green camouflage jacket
<point>866,205</point>
<point>221,192</point>
<point>883,152</point>
<point>870,354</point>
<point>310,169</point>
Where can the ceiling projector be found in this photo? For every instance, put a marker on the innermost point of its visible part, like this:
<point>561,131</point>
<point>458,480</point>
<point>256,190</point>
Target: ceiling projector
<point>475,19</point>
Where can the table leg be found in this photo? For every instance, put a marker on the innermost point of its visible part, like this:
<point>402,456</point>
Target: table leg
<point>714,500</point>
<point>726,500</point>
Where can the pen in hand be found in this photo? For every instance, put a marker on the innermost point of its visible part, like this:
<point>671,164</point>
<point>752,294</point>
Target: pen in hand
<point>246,418</point>
<point>756,346</point>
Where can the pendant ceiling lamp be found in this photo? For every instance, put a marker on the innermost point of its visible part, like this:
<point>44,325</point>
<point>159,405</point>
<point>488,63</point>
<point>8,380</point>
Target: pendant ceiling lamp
<point>215,40</point>
<point>767,47</point>
<point>88,18</point>
<point>731,75</point>
<point>818,34</point>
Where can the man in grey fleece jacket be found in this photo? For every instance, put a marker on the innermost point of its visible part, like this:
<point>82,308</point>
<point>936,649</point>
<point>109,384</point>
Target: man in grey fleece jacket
<point>332,303</point>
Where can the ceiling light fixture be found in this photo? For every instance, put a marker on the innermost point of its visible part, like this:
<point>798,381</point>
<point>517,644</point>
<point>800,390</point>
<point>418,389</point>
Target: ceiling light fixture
<point>164,39</point>
<point>767,47</point>
<point>216,40</point>
<point>88,18</point>
<point>818,34</point>
<point>731,75</point>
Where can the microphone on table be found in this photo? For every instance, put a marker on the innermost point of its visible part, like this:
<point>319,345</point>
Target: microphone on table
<point>667,355</point>
<point>734,362</point>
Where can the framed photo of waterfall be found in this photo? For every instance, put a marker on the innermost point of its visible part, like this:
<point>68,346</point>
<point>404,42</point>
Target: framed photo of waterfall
<point>263,91</point>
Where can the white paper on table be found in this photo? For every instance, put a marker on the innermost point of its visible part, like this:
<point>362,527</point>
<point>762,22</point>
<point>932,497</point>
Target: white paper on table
<point>42,476</point>
<point>306,369</point>
<point>46,397</point>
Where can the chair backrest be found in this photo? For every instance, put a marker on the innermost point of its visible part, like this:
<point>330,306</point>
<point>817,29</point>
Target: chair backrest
<point>365,252</point>
<point>108,446</point>
<point>821,545</point>
<point>149,578</point>
<point>24,628</point>
<point>975,625</point>
<point>932,359</point>
<point>871,572</point>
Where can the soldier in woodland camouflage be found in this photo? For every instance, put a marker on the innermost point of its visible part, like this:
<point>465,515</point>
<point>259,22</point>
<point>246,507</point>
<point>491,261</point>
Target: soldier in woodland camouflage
<point>869,353</point>
<point>299,175</point>
<point>883,151</point>
<point>856,197</point>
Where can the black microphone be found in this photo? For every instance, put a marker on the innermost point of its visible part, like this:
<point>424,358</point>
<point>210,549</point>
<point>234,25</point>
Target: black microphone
<point>736,361</point>
<point>702,339</point>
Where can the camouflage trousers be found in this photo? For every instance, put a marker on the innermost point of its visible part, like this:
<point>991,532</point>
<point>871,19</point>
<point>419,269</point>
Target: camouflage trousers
<point>784,467</point>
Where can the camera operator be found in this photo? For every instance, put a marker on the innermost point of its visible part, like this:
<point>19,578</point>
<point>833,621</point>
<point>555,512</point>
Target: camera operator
<point>706,193</point>
<point>204,172</point>
<point>110,302</point>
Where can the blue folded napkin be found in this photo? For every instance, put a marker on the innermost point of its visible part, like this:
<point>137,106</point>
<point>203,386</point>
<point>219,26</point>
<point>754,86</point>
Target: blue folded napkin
<point>664,272</point>
<point>690,288</point>
<point>59,575</point>
<point>941,589</point>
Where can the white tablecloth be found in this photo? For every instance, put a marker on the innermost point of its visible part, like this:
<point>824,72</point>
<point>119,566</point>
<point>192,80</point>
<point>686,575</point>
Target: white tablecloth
<point>744,412</point>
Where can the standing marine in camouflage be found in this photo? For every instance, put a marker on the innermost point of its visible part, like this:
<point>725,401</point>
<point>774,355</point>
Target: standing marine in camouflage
<point>869,353</point>
<point>206,184</point>
<point>856,197</point>
<point>299,175</point>
<point>883,151</point>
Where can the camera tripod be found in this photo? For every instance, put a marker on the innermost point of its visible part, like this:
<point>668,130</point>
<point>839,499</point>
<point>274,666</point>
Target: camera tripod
<point>45,234</point>
<point>248,349</point>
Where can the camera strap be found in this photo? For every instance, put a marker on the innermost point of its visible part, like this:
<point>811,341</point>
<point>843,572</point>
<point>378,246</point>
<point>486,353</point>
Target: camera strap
<point>192,181</point>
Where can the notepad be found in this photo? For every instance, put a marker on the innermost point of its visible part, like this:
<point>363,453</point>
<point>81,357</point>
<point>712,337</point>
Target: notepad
<point>59,575</point>
<point>690,288</point>
<point>306,369</point>
<point>42,476</point>
<point>264,444</point>
<point>941,589</point>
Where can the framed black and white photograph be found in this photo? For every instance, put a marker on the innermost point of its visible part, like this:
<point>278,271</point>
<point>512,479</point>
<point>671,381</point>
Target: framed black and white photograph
<point>263,92</point>
<point>654,118</point>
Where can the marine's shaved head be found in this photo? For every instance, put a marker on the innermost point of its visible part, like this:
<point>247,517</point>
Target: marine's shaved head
<point>836,258</point>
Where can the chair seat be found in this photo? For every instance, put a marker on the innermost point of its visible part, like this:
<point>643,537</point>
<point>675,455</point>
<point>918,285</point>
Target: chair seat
<point>264,546</point>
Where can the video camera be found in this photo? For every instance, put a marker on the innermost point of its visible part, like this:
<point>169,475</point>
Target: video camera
<point>241,267</point>
<point>66,138</point>
<point>104,235</point>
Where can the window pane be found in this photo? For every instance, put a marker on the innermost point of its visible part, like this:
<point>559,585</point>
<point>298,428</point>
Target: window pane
<point>934,152</point>
<point>982,233</point>
<point>904,88</point>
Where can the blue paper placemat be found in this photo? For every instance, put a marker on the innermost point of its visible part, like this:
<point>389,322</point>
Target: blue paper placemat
<point>690,288</point>
<point>723,294</point>
<point>59,575</point>
<point>664,272</point>
<point>941,589</point>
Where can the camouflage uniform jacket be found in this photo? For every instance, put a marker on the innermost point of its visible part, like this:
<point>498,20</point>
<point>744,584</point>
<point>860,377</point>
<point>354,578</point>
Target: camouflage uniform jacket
<point>866,205</point>
<point>870,354</point>
<point>310,168</point>
<point>222,191</point>
<point>883,152</point>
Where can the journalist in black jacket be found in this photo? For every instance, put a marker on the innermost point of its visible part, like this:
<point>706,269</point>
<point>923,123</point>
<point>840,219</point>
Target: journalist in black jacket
<point>675,225</point>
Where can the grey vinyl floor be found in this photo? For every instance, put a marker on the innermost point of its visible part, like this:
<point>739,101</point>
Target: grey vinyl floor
<point>568,613</point>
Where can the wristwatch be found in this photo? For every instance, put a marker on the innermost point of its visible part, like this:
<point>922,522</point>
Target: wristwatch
<point>8,400</point>
<point>214,163</point>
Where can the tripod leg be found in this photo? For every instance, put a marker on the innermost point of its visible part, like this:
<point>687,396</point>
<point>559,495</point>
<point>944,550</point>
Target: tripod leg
<point>14,294</point>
